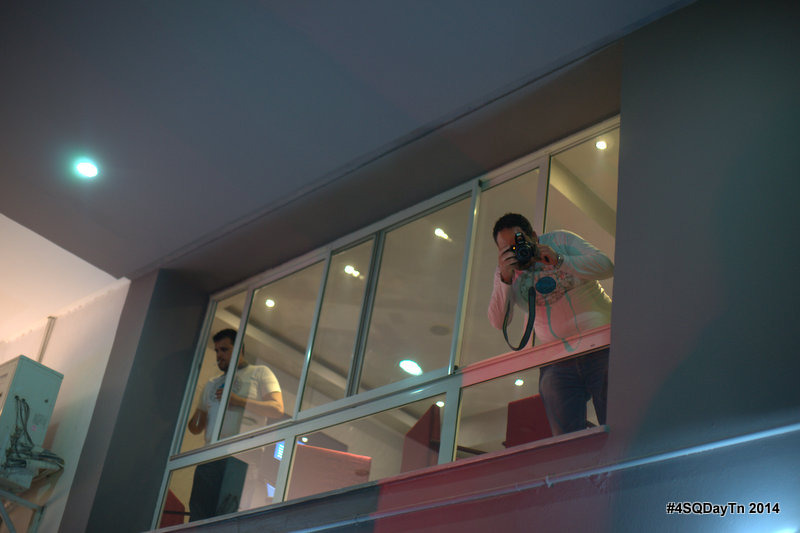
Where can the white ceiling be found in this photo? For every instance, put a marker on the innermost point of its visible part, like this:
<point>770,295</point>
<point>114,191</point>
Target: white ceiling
<point>228,126</point>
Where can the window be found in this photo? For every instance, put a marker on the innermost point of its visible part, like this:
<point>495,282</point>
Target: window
<point>369,448</point>
<point>411,327</point>
<point>337,332</point>
<point>228,314</point>
<point>276,337</point>
<point>517,195</point>
<point>379,347</point>
<point>225,485</point>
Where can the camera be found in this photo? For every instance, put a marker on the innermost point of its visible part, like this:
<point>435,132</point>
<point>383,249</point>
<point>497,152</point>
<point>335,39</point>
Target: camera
<point>523,250</point>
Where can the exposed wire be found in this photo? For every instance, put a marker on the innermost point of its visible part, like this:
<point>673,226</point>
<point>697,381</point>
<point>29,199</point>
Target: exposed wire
<point>22,453</point>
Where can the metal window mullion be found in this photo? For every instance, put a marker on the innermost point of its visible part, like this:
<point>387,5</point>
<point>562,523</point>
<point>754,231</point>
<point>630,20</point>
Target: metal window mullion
<point>540,209</point>
<point>191,386</point>
<point>354,375</point>
<point>237,349</point>
<point>284,468</point>
<point>452,405</point>
<point>301,387</point>
<point>466,270</point>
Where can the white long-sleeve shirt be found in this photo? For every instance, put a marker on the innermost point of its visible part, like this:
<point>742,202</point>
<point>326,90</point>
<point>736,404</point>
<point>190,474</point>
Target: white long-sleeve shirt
<point>578,303</point>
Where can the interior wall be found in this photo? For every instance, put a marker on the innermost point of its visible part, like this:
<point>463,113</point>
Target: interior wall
<point>702,344</point>
<point>123,459</point>
<point>78,348</point>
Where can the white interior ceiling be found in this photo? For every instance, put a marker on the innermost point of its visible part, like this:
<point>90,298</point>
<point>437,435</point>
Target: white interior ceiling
<point>223,127</point>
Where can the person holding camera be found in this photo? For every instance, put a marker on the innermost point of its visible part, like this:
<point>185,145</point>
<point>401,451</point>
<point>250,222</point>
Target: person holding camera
<point>560,271</point>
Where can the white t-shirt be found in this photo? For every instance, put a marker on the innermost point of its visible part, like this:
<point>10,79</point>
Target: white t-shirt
<point>254,382</point>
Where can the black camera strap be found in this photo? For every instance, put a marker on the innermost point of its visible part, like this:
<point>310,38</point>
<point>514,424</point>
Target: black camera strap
<point>528,327</point>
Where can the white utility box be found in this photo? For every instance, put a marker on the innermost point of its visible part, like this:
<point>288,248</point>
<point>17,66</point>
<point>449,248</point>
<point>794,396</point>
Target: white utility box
<point>28,392</point>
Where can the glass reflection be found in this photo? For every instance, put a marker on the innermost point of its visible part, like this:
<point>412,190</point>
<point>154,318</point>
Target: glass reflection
<point>198,433</point>
<point>335,339</point>
<point>504,412</point>
<point>582,193</point>
<point>265,385</point>
<point>480,340</point>
<point>373,447</point>
<point>416,297</point>
<point>226,485</point>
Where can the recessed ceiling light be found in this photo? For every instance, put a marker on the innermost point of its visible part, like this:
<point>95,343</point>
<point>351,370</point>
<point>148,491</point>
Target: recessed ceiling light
<point>439,232</point>
<point>350,269</point>
<point>86,169</point>
<point>270,303</point>
<point>411,367</point>
<point>519,382</point>
<point>601,145</point>
<point>440,403</point>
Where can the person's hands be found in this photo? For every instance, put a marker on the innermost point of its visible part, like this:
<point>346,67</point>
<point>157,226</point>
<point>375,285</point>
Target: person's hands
<point>507,262</point>
<point>234,400</point>
<point>546,255</point>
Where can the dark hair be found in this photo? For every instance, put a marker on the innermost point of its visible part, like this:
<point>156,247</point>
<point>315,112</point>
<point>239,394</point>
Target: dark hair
<point>225,334</point>
<point>512,220</point>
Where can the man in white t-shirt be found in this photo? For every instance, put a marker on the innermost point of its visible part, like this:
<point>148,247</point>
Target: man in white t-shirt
<point>255,394</point>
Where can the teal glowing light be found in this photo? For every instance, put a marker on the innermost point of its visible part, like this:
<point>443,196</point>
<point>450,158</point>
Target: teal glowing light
<point>86,169</point>
<point>411,367</point>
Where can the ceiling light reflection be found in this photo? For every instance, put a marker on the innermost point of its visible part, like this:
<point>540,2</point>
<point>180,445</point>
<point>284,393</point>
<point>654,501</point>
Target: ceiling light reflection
<point>411,367</point>
<point>270,303</point>
<point>440,403</point>
<point>350,269</point>
<point>601,145</point>
<point>439,232</point>
<point>519,382</point>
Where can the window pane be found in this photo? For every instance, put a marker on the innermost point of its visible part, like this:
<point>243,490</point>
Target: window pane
<point>268,376</point>
<point>504,412</point>
<point>582,194</point>
<point>335,338</point>
<point>226,485</point>
<point>416,297</point>
<point>480,340</point>
<point>228,315</point>
<point>374,447</point>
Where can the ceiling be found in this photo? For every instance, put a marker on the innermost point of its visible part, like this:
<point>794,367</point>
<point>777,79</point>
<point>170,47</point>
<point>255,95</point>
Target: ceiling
<point>270,127</point>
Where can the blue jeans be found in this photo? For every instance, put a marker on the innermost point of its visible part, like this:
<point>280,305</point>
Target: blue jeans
<point>566,386</point>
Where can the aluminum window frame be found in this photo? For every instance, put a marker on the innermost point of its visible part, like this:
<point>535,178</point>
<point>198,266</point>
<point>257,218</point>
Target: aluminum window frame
<point>449,380</point>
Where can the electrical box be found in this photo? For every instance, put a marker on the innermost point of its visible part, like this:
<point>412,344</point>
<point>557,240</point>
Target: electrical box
<point>28,392</point>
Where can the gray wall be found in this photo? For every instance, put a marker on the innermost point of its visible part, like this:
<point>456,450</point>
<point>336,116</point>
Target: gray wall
<point>122,463</point>
<point>705,292</point>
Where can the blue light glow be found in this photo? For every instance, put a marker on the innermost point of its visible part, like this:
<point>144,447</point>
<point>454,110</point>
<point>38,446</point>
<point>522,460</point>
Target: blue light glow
<point>279,451</point>
<point>86,168</point>
<point>411,367</point>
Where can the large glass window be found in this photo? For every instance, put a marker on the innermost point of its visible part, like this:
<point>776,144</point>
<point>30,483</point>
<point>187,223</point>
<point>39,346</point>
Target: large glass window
<point>504,412</point>
<point>582,193</point>
<point>274,347</point>
<point>228,314</point>
<point>480,340</point>
<point>239,482</point>
<point>337,329</point>
<point>370,448</point>
<point>379,308</point>
<point>416,298</point>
